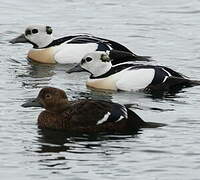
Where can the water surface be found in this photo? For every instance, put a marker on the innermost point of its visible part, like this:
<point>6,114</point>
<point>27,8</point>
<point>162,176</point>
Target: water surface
<point>166,30</point>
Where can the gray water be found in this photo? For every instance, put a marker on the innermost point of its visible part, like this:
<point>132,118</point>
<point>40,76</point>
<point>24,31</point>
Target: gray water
<point>166,30</point>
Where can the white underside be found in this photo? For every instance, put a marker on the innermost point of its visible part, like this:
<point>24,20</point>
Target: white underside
<point>73,53</point>
<point>126,80</point>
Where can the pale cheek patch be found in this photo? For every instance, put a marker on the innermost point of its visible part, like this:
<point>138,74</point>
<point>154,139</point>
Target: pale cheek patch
<point>104,119</point>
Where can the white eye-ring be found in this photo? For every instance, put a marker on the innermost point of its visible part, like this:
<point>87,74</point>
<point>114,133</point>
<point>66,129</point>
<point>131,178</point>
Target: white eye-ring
<point>34,31</point>
<point>88,59</point>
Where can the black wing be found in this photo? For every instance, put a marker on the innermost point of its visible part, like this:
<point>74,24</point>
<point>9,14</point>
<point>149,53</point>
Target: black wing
<point>172,85</point>
<point>176,83</point>
<point>82,39</point>
<point>117,113</point>
<point>86,39</point>
<point>116,45</point>
<point>102,45</point>
<point>96,112</point>
<point>125,52</point>
<point>93,39</point>
<point>172,72</point>
<point>59,41</point>
<point>89,38</point>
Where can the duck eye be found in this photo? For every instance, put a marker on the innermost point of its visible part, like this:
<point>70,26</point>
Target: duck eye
<point>28,32</point>
<point>88,59</point>
<point>34,31</point>
<point>48,96</point>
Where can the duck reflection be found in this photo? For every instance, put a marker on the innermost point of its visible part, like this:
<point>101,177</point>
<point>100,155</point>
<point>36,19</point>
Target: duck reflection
<point>38,70</point>
<point>108,96</point>
<point>57,149</point>
<point>52,141</point>
<point>95,95</point>
<point>40,75</point>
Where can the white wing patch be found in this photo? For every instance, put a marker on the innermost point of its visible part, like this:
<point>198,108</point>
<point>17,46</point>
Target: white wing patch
<point>73,53</point>
<point>128,62</point>
<point>124,110</point>
<point>166,76</point>
<point>104,119</point>
<point>120,118</point>
<point>166,71</point>
<point>134,79</point>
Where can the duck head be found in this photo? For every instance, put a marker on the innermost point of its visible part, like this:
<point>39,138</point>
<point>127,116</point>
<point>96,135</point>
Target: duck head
<point>38,35</point>
<point>52,99</point>
<point>96,63</point>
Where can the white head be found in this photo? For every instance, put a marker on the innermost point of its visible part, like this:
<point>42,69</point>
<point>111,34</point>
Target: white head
<point>97,63</point>
<point>38,35</point>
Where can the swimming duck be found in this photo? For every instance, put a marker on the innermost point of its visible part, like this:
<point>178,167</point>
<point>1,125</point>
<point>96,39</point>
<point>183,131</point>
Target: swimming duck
<point>129,77</point>
<point>84,116</point>
<point>69,49</point>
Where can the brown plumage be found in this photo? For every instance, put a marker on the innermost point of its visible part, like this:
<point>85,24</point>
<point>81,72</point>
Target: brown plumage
<point>84,116</point>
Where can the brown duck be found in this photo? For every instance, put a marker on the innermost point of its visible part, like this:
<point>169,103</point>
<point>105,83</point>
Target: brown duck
<point>84,116</point>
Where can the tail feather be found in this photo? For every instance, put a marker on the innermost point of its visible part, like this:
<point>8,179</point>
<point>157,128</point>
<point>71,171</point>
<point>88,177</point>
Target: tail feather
<point>153,125</point>
<point>136,123</point>
<point>143,58</point>
<point>194,82</point>
<point>180,82</point>
<point>172,84</point>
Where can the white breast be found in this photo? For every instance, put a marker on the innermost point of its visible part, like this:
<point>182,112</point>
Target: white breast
<point>73,53</point>
<point>45,55</point>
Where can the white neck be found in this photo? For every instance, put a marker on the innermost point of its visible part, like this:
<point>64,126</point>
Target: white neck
<point>102,70</point>
<point>44,42</point>
<point>41,40</point>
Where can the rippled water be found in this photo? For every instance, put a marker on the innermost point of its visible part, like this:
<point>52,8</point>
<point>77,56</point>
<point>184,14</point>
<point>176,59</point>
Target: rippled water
<point>166,30</point>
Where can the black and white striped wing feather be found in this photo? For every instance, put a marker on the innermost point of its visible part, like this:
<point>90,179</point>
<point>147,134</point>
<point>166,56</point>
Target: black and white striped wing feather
<point>116,113</point>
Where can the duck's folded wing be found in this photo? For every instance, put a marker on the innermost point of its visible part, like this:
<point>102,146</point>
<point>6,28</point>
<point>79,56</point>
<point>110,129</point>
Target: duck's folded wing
<point>116,45</point>
<point>172,72</point>
<point>125,52</point>
<point>78,38</point>
<point>93,113</point>
<point>172,84</point>
<point>86,39</point>
<point>93,39</point>
<point>176,82</point>
<point>62,40</point>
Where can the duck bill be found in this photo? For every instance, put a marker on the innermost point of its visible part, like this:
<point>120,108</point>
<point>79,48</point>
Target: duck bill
<point>32,103</point>
<point>19,39</point>
<point>76,68</point>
